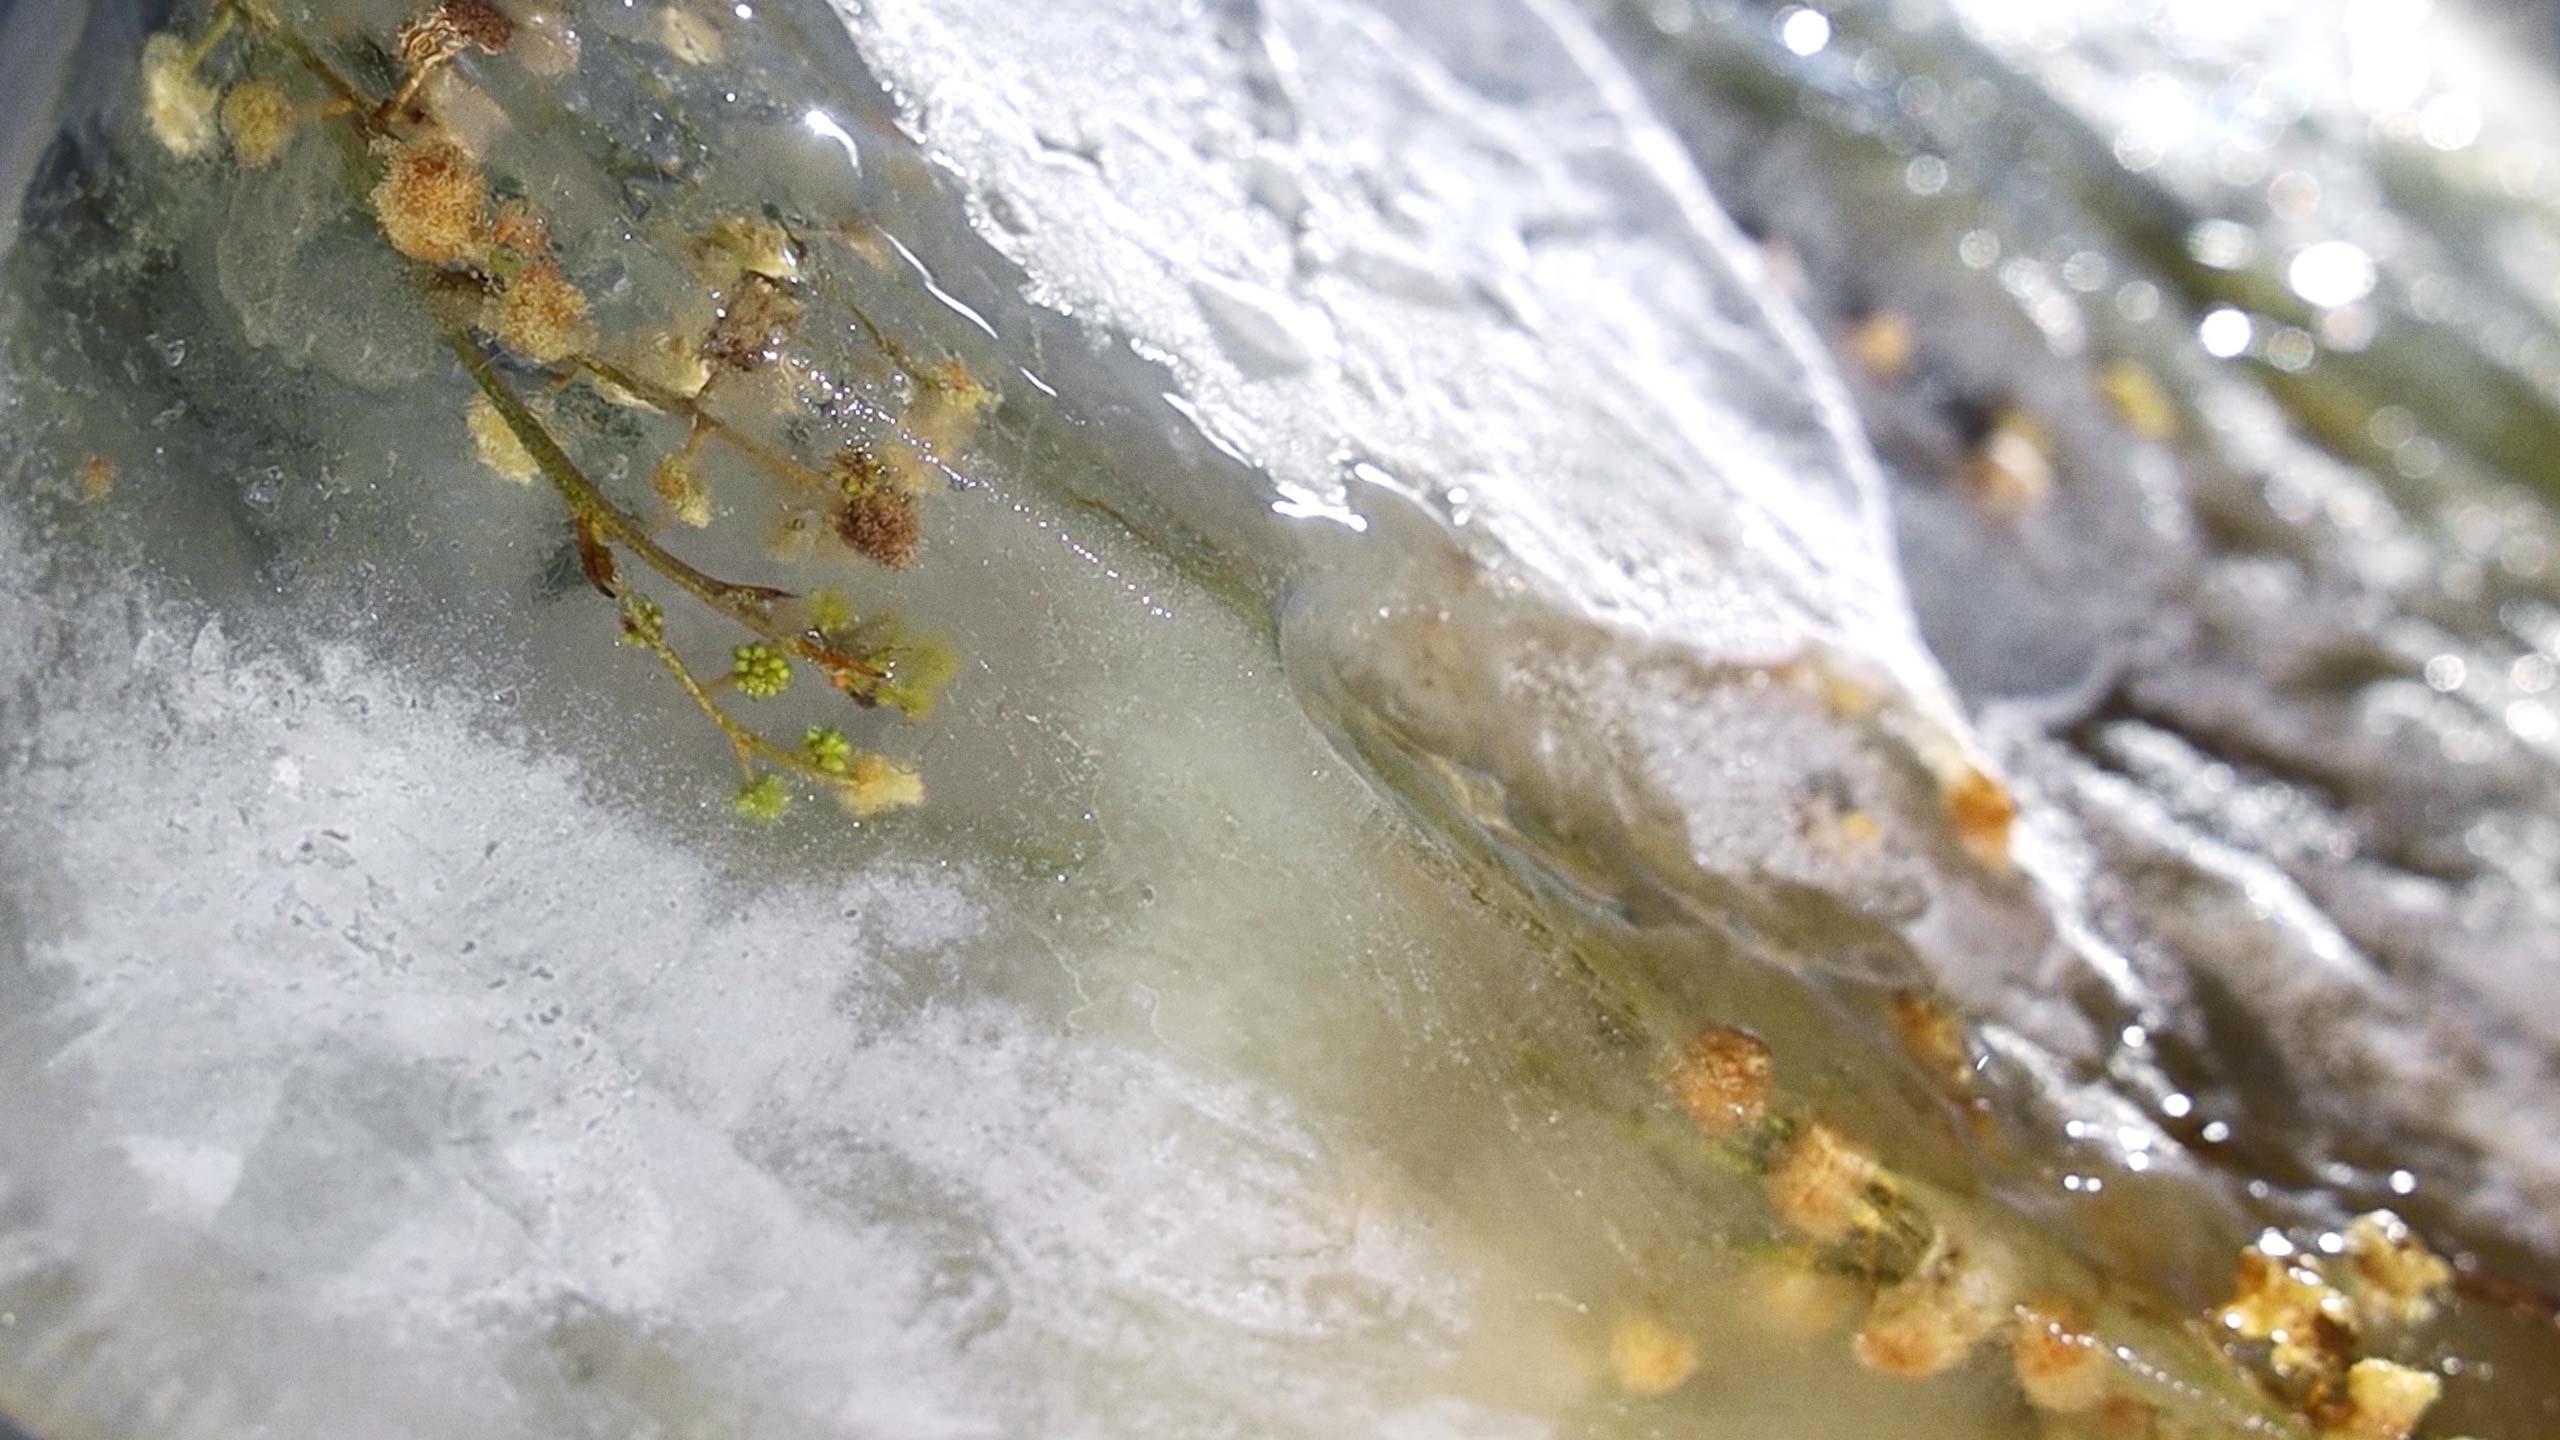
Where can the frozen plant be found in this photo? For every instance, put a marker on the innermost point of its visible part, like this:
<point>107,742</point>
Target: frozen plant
<point>488,280</point>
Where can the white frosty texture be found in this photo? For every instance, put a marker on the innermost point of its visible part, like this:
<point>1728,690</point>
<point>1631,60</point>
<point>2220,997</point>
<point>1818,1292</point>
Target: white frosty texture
<point>1446,254</point>
<point>354,1049</point>
<point>1440,249</point>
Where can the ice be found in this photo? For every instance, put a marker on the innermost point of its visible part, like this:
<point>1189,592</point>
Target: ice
<point>387,1039</point>
<point>1524,178</point>
<point>2215,643</point>
<point>1438,633</point>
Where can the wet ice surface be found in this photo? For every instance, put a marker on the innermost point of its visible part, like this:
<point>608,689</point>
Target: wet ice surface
<point>359,1046</point>
<point>1346,312</point>
<point>2342,969</point>
<point>391,1008</point>
<point>2282,673</point>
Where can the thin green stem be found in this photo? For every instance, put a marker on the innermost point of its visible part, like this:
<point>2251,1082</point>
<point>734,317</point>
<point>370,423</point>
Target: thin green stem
<point>359,109</point>
<point>743,738</point>
<point>418,76</point>
<point>751,606</point>
<point>691,408</point>
<point>223,20</point>
<point>880,339</point>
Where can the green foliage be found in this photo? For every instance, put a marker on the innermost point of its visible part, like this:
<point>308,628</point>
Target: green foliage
<point>827,749</point>
<point>918,671</point>
<point>643,622</point>
<point>765,799</point>
<point>759,670</point>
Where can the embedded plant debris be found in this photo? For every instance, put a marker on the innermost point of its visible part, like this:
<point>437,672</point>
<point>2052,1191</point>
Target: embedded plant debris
<point>491,284</point>
<point>1939,1284</point>
<point>1922,1282</point>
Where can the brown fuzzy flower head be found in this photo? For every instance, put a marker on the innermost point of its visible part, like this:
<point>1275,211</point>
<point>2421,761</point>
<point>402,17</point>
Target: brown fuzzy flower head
<point>2308,1325</point>
<point>752,327</point>
<point>1934,1038</point>
<point>1722,1079</point>
<point>484,25</point>
<point>427,39</point>
<point>259,118</point>
<point>97,476</point>
<point>432,37</point>
<point>882,523</point>
<point>433,203</point>
<point>1983,814</point>
<point>540,315</point>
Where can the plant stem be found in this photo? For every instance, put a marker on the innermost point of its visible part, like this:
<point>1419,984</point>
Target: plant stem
<point>223,20</point>
<point>409,88</point>
<point>357,109</point>
<point>750,606</point>
<point>745,740</point>
<point>662,398</point>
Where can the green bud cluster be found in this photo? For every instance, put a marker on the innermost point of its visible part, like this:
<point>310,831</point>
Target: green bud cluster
<point>760,671</point>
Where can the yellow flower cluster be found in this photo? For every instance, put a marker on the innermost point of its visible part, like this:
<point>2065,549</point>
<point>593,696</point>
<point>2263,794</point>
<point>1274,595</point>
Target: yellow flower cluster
<point>2392,1277</point>
<point>433,204</point>
<point>259,118</point>
<point>178,106</point>
<point>2306,1322</point>
<point>2385,1401</point>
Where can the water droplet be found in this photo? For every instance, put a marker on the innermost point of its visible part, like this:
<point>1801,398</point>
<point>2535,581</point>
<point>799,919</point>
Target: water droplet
<point>2224,332</point>
<point>2331,273</point>
<point>2222,244</point>
<point>1803,31</point>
